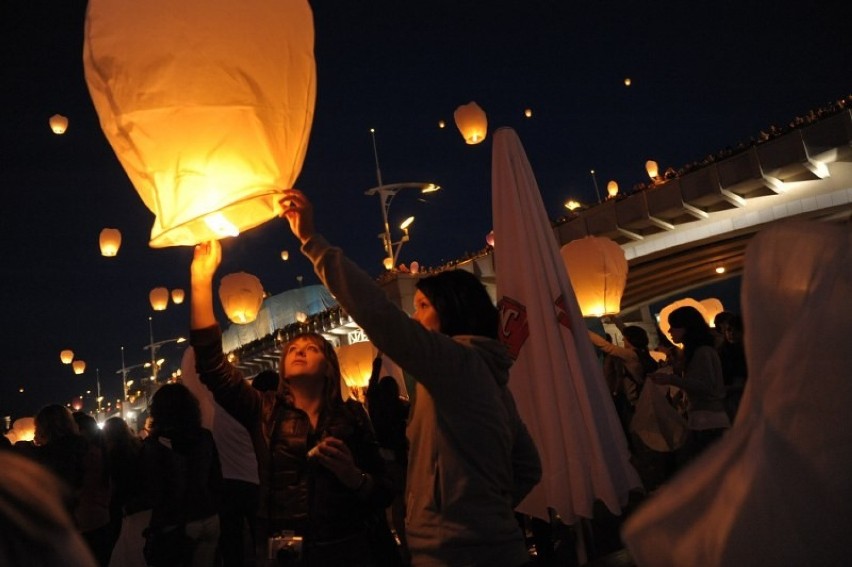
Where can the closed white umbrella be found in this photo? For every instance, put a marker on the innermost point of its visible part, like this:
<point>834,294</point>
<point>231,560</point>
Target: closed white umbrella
<point>557,380</point>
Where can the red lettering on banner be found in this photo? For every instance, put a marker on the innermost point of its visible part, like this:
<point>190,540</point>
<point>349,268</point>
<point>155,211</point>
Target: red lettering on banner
<point>562,312</point>
<point>514,327</point>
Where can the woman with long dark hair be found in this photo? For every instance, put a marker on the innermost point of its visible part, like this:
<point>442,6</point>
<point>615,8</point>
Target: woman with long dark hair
<point>698,372</point>
<point>471,458</point>
<point>323,484</point>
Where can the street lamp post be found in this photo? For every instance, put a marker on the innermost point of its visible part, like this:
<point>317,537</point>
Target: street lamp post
<point>124,371</point>
<point>386,194</point>
<point>153,346</point>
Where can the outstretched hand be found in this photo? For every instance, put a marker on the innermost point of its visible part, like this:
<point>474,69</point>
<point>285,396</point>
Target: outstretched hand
<point>299,213</point>
<point>205,260</point>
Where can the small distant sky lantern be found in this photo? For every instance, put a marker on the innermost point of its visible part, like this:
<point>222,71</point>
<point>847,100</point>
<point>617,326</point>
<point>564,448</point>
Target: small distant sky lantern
<point>712,307</point>
<point>241,295</point>
<point>178,296</point>
<point>58,124</point>
<point>471,122</point>
<point>79,366</point>
<point>66,356</point>
<point>356,363</point>
<point>664,325</point>
<point>652,168</point>
<point>627,82</point>
<point>612,189</point>
<point>528,112</point>
<point>572,205</point>
<point>414,267</point>
<point>597,268</point>
<point>159,298</point>
<point>110,241</point>
<point>207,109</point>
<point>442,124</point>
<point>285,255</point>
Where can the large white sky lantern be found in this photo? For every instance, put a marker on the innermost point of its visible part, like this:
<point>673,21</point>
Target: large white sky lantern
<point>597,268</point>
<point>241,295</point>
<point>471,122</point>
<point>208,106</point>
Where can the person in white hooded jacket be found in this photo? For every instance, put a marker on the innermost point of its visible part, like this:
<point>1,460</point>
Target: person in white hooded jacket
<point>471,457</point>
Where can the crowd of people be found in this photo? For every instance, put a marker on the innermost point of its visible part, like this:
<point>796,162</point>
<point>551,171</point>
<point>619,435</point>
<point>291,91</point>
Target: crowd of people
<point>333,476</point>
<point>684,403</point>
<point>282,469</point>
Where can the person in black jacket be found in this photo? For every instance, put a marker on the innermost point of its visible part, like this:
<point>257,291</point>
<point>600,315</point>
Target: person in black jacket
<point>184,481</point>
<point>323,483</point>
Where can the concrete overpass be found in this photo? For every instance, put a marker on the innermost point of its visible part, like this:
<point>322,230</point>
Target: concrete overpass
<point>676,233</point>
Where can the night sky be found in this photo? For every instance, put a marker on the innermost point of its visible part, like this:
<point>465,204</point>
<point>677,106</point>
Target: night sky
<point>704,76</point>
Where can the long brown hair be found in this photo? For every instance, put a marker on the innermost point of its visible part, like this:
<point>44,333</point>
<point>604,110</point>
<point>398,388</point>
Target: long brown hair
<point>331,388</point>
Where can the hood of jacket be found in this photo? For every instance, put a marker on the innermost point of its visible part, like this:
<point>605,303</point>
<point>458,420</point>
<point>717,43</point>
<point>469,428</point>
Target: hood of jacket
<point>493,352</point>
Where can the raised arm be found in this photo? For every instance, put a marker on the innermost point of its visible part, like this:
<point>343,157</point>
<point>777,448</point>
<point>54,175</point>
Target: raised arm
<point>205,260</point>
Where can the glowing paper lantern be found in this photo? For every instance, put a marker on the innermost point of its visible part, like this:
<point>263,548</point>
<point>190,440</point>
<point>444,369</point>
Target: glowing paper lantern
<point>441,124</point>
<point>471,122</point>
<point>241,295</point>
<point>356,363</point>
<point>159,298</point>
<point>414,267</point>
<point>528,113</point>
<point>612,189</point>
<point>572,205</point>
<point>58,124</point>
<point>652,168</point>
<point>627,82</point>
<point>208,106</point>
<point>285,255</point>
<point>712,307</point>
<point>79,366</point>
<point>597,269</point>
<point>110,241</point>
<point>178,296</point>
<point>663,323</point>
<point>23,429</point>
<point>489,239</point>
<point>66,356</point>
